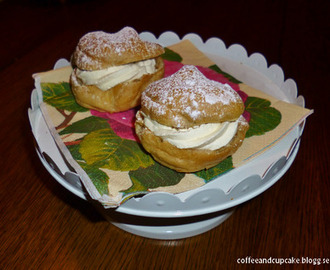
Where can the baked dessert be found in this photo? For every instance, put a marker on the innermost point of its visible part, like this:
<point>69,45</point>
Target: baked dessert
<point>111,70</point>
<point>188,122</point>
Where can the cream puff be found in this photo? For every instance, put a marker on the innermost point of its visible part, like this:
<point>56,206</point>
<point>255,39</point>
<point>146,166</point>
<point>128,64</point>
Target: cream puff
<point>188,122</point>
<point>111,70</point>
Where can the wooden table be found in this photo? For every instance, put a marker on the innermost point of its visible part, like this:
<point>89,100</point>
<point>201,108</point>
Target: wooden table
<point>44,226</point>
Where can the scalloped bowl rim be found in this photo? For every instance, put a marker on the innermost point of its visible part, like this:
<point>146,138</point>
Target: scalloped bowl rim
<point>290,91</point>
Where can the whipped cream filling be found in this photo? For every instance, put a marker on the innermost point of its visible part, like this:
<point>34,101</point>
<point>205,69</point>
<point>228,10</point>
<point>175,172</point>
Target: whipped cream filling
<point>110,77</point>
<point>206,136</point>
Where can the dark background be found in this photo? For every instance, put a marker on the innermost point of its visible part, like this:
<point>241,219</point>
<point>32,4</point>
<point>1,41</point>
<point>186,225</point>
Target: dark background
<point>42,225</point>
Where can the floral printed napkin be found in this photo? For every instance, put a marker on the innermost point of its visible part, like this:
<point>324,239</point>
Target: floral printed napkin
<point>106,153</point>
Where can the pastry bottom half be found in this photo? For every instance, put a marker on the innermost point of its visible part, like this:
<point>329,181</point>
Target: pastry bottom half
<point>187,160</point>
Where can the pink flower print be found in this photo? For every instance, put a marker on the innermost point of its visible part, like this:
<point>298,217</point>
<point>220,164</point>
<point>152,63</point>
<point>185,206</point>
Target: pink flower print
<point>122,123</point>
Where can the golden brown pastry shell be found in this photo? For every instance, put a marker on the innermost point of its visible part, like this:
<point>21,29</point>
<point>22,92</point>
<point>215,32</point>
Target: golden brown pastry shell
<point>176,117</point>
<point>121,97</point>
<point>96,50</point>
<point>187,99</point>
<point>187,160</point>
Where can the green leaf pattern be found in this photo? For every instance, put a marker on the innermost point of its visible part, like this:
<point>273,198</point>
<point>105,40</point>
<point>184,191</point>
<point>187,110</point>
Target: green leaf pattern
<point>102,148</point>
<point>263,117</point>
<point>154,176</point>
<point>221,168</point>
<point>171,55</point>
<point>228,76</point>
<point>59,95</point>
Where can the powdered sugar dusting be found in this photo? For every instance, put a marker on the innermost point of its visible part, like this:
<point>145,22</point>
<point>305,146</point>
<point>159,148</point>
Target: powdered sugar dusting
<point>187,92</point>
<point>99,45</point>
<point>121,41</point>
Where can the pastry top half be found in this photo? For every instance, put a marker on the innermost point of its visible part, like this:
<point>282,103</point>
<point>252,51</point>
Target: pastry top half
<point>187,99</point>
<point>100,50</point>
